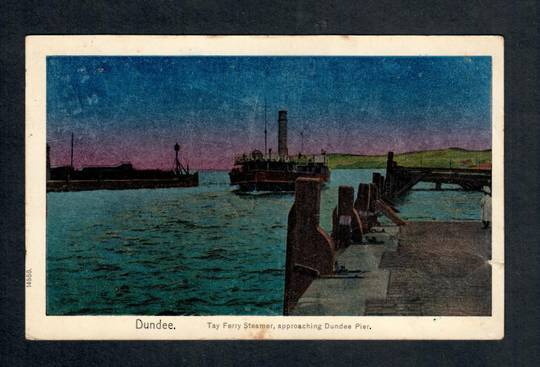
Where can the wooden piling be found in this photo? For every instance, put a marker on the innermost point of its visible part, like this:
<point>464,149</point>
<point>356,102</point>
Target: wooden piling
<point>346,222</point>
<point>341,217</point>
<point>310,251</point>
<point>374,195</point>
<point>378,180</point>
<point>362,199</point>
<point>389,180</point>
<point>380,184</point>
<point>364,205</point>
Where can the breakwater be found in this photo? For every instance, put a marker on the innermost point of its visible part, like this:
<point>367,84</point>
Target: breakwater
<point>127,184</point>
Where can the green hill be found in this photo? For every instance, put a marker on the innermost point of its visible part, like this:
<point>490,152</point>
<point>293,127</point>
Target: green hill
<point>451,157</point>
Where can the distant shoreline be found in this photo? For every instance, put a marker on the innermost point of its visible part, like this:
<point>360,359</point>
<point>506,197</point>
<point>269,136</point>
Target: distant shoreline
<point>442,158</point>
<point>450,157</point>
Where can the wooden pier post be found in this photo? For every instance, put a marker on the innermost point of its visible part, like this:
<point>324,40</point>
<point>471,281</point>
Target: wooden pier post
<point>347,225</point>
<point>389,181</point>
<point>364,205</point>
<point>370,203</point>
<point>380,184</point>
<point>310,251</point>
<point>378,180</point>
<point>362,199</point>
<point>375,195</point>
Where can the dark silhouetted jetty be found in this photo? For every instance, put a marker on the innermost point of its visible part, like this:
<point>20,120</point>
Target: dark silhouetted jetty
<point>120,177</point>
<point>401,179</point>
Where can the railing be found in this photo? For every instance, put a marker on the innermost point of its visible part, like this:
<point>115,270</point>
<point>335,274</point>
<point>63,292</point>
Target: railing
<point>297,159</point>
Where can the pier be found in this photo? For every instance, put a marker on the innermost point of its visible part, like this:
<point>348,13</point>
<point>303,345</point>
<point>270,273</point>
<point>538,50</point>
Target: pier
<point>365,267</point>
<point>400,179</point>
<point>120,177</point>
<point>125,184</point>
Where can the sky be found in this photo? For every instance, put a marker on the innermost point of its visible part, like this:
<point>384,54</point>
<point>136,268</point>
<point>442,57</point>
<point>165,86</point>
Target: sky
<point>136,108</point>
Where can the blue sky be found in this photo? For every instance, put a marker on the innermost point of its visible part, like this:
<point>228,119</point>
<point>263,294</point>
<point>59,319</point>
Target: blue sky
<point>136,108</point>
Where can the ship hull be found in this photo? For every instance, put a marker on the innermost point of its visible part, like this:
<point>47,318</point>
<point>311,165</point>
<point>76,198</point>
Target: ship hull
<point>271,181</point>
<point>191,180</point>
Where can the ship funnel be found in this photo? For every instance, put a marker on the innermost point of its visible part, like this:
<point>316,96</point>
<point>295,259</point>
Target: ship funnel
<point>282,134</point>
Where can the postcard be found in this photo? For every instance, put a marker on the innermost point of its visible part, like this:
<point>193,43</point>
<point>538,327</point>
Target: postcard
<point>264,187</point>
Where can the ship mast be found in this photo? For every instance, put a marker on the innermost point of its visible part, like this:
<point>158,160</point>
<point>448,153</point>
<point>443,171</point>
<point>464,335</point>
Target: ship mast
<point>71,161</point>
<point>70,169</point>
<point>179,169</point>
<point>265,131</point>
<point>302,141</point>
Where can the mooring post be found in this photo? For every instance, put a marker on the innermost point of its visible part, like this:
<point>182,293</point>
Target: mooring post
<point>376,177</point>
<point>374,196</point>
<point>362,205</point>
<point>310,251</point>
<point>380,184</point>
<point>342,217</point>
<point>362,199</point>
<point>347,210</point>
<point>389,181</point>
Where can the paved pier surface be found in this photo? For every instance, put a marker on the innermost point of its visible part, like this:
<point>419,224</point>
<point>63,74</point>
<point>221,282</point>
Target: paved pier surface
<point>421,269</point>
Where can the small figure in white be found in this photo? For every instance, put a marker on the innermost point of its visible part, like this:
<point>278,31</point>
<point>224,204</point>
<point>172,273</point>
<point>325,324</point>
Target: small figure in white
<point>485,207</point>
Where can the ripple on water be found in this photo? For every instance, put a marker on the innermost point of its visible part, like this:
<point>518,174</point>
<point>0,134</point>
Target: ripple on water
<point>193,251</point>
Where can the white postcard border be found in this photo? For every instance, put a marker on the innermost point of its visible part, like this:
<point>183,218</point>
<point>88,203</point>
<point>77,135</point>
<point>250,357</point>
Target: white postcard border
<point>39,326</point>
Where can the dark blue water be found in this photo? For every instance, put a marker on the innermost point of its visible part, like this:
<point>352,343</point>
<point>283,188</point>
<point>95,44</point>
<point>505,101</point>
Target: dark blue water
<point>190,251</point>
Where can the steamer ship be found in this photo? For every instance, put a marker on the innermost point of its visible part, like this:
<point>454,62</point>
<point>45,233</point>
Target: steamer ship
<point>258,171</point>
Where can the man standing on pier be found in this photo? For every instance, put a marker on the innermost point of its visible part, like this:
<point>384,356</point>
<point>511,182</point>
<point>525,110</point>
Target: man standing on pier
<point>485,207</point>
